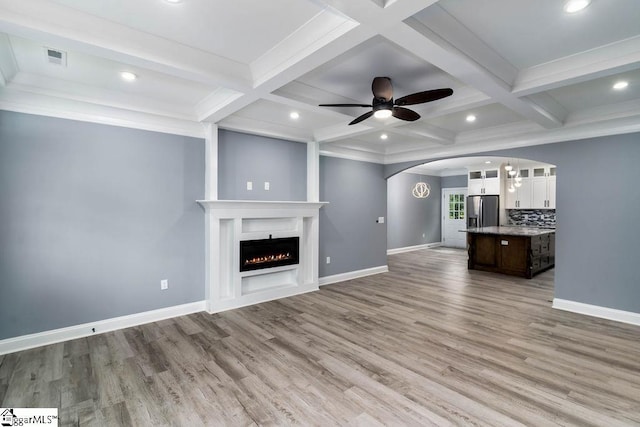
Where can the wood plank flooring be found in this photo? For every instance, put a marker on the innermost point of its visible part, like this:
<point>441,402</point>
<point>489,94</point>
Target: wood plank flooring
<point>428,343</point>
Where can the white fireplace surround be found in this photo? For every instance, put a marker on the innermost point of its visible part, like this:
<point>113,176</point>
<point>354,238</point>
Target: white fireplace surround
<point>228,222</point>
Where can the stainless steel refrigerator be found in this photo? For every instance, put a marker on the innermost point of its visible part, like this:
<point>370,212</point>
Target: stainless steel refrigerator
<point>483,211</point>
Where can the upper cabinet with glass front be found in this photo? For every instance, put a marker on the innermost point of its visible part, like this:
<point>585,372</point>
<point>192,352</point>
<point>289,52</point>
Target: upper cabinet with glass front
<point>543,187</point>
<point>483,181</point>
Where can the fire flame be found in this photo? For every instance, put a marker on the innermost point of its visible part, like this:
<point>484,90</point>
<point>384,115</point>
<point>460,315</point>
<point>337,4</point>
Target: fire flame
<point>268,258</point>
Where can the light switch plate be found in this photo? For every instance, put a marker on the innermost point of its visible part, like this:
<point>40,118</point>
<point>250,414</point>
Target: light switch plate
<point>249,185</point>
<point>380,220</point>
<point>267,185</point>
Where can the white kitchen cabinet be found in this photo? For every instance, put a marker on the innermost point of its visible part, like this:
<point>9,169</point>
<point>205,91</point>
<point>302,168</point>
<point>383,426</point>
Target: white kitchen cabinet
<point>485,181</point>
<point>543,188</point>
<point>521,198</point>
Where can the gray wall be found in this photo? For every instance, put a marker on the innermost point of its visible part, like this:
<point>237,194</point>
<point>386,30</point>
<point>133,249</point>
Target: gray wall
<point>454,181</point>
<point>597,201</point>
<point>412,221</point>
<point>243,157</point>
<point>92,217</point>
<point>349,233</point>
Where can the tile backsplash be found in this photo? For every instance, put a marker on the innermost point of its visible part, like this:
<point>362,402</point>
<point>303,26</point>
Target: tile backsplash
<point>532,217</point>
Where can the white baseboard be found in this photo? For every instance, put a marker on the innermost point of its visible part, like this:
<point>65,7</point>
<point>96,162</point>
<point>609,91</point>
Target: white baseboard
<point>327,280</point>
<point>597,311</point>
<point>413,248</point>
<point>11,345</point>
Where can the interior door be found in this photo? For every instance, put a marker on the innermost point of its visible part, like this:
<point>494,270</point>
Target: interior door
<point>454,217</point>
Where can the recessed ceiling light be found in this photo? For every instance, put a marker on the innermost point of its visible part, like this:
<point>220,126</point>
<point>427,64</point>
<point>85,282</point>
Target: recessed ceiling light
<point>620,85</point>
<point>128,76</point>
<point>173,1</point>
<point>294,115</point>
<point>488,162</point>
<point>384,136</point>
<point>471,118</point>
<point>573,6</point>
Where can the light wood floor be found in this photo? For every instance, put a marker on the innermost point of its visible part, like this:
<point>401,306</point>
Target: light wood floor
<point>428,343</point>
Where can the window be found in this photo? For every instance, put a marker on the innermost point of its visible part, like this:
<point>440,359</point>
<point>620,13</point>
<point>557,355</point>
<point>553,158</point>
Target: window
<point>456,206</point>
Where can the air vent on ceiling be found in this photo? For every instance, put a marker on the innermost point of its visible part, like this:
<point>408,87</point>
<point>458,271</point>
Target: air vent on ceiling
<point>56,57</point>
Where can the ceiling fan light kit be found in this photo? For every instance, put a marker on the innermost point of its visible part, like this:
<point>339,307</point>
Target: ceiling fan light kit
<point>383,105</point>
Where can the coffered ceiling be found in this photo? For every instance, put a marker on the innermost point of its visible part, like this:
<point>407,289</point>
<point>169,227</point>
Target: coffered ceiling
<point>528,71</point>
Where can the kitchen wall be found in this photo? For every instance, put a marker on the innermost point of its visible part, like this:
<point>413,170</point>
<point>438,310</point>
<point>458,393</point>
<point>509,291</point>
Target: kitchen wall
<point>92,217</point>
<point>243,157</point>
<point>454,181</point>
<point>349,234</point>
<point>413,221</point>
<point>597,198</point>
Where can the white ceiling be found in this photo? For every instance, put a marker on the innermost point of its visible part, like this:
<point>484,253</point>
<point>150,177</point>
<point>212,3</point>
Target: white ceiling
<point>528,71</point>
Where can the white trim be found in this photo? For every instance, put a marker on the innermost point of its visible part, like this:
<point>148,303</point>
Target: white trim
<point>597,311</point>
<point>413,248</point>
<point>327,280</point>
<point>260,298</point>
<point>11,345</point>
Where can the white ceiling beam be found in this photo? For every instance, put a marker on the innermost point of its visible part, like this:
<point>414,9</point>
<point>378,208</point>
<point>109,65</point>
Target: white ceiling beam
<point>264,128</point>
<point>65,108</point>
<point>304,65</point>
<point>325,27</point>
<point>432,48</point>
<point>603,61</point>
<point>466,98</point>
<point>8,66</point>
<point>440,22</point>
<point>367,13</point>
<point>425,130</point>
<point>44,20</point>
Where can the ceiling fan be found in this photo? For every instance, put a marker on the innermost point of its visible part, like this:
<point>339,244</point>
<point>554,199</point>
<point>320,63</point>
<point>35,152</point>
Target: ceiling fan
<point>384,106</point>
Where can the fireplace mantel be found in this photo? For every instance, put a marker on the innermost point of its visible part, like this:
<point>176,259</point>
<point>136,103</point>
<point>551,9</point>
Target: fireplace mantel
<point>227,222</point>
<point>257,204</point>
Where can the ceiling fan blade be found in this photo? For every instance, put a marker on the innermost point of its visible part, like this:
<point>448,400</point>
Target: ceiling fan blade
<point>361,118</point>
<point>345,105</point>
<point>382,88</point>
<point>405,114</point>
<point>426,96</point>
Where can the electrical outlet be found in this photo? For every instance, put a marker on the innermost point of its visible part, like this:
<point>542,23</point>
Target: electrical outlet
<point>328,260</point>
<point>380,220</point>
<point>267,185</point>
<point>423,235</point>
<point>164,284</point>
<point>249,185</point>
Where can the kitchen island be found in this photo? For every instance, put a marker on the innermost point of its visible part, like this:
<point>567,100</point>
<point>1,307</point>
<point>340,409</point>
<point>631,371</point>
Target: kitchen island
<point>518,251</point>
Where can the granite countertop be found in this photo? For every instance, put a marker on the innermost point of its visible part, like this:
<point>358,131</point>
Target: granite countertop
<point>511,231</point>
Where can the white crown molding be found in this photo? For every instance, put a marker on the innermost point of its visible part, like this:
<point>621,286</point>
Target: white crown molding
<point>263,128</point>
<point>38,19</point>
<point>324,28</point>
<point>620,125</point>
<point>350,154</point>
<point>603,61</point>
<point>215,101</point>
<point>72,91</point>
<point>8,65</point>
<point>31,103</point>
<point>597,311</point>
<point>54,336</point>
<point>342,277</point>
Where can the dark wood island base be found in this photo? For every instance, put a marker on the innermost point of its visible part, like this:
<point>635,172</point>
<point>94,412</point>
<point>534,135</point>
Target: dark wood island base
<point>517,251</point>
